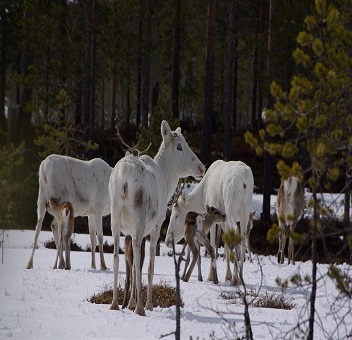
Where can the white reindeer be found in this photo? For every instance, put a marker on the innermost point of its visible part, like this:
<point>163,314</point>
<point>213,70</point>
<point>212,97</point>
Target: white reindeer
<point>228,186</point>
<point>195,230</point>
<point>139,190</point>
<point>85,185</point>
<point>65,216</point>
<point>289,208</point>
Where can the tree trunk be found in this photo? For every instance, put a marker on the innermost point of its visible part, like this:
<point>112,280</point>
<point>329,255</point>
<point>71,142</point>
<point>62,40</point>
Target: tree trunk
<point>176,62</point>
<point>3,62</point>
<point>255,67</point>
<point>228,91</point>
<point>208,86</point>
<point>63,54</point>
<point>113,100</point>
<point>347,203</point>
<point>93,42</point>
<point>87,81</point>
<point>103,101</point>
<point>146,62</point>
<point>235,81</point>
<point>139,65</point>
<point>155,96</point>
<point>128,99</point>
<point>268,161</point>
<point>312,297</point>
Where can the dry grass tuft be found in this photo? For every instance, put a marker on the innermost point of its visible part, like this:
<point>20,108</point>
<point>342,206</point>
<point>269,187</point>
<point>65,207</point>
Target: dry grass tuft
<point>265,300</point>
<point>164,295</point>
<point>276,301</point>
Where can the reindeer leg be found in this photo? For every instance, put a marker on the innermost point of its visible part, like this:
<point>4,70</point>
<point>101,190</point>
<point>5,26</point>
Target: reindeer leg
<point>93,239</point>
<point>133,291</point>
<point>212,242</point>
<point>203,239</point>
<point>41,213</point>
<point>187,256</point>
<point>99,228</point>
<point>291,246</point>
<point>282,240</point>
<point>237,272</point>
<point>153,240</point>
<point>129,265</point>
<point>67,252</point>
<point>228,275</point>
<point>248,247</point>
<point>62,263</point>
<point>283,245</point>
<point>54,229</point>
<point>199,263</point>
<point>194,251</point>
<point>116,231</point>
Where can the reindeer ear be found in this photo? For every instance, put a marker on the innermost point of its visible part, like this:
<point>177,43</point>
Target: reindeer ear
<point>166,131</point>
<point>208,208</point>
<point>178,130</point>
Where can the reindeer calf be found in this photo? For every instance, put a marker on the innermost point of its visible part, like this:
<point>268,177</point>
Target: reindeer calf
<point>129,266</point>
<point>65,216</point>
<point>289,208</point>
<point>193,234</point>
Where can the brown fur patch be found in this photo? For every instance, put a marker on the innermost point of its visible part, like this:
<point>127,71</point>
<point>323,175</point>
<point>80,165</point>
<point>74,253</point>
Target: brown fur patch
<point>138,200</point>
<point>125,189</point>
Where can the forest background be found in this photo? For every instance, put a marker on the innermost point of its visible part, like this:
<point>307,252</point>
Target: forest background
<point>73,71</point>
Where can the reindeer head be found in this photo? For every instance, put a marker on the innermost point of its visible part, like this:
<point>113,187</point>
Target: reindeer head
<point>214,215</point>
<point>177,220</point>
<point>181,158</point>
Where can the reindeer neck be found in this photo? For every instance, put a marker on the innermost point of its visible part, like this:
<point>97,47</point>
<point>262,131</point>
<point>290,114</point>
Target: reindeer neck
<point>169,176</point>
<point>195,199</point>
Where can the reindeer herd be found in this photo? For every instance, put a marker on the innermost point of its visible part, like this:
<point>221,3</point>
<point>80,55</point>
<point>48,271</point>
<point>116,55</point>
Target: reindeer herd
<point>136,193</point>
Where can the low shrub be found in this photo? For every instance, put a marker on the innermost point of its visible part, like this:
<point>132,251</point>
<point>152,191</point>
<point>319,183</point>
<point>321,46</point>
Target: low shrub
<point>164,295</point>
<point>264,300</point>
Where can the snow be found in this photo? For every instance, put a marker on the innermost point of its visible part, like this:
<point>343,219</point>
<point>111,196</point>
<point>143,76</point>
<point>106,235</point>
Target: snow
<point>45,303</point>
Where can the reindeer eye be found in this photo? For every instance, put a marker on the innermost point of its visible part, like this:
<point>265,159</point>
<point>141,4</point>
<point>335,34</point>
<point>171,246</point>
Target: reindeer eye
<point>179,147</point>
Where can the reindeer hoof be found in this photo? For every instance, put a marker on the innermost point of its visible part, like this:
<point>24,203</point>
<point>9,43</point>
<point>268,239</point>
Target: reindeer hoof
<point>114,306</point>
<point>140,311</point>
<point>29,265</point>
<point>149,306</point>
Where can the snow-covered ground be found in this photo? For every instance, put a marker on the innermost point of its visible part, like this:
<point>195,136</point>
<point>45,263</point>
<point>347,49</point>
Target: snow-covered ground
<point>46,303</point>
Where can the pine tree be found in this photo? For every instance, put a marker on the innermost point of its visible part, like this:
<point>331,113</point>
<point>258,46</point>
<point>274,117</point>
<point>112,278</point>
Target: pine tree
<point>312,118</point>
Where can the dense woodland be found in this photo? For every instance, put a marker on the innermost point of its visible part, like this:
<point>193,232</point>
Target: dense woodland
<point>72,71</point>
<point>268,82</point>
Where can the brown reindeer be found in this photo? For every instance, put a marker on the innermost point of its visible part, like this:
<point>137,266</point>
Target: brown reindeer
<point>129,266</point>
<point>65,216</point>
<point>193,235</point>
<point>289,208</point>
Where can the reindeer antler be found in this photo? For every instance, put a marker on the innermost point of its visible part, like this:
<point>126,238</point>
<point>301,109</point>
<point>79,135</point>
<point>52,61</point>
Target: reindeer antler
<point>180,186</point>
<point>134,151</point>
